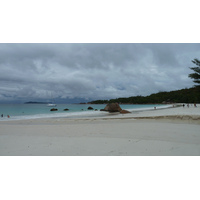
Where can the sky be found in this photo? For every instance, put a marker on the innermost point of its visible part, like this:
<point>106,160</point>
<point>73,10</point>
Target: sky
<point>73,72</point>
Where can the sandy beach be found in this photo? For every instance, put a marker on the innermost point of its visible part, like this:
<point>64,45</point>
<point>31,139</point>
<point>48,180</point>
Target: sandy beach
<point>164,132</point>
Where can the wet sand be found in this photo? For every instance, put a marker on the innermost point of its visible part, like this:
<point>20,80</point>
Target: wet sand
<point>165,132</point>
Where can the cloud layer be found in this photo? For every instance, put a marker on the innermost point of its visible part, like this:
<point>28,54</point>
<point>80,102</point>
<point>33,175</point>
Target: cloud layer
<point>92,71</point>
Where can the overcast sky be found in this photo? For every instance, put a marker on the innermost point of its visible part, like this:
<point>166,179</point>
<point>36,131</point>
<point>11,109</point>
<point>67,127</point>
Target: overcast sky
<point>84,72</point>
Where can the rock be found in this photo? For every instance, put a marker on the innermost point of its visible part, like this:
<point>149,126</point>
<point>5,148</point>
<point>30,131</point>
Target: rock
<point>90,108</point>
<point>66,109</point>
<point>124,111</point>
<point>54,109</point>
<point>113,107</point>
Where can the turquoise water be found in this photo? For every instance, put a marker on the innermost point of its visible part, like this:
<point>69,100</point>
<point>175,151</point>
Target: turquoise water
<point>32,111</point>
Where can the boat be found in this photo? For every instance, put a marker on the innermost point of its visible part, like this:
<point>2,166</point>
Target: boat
<point>51,105</point>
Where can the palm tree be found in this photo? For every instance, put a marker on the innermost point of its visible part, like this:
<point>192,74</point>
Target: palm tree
<point>196,75</point>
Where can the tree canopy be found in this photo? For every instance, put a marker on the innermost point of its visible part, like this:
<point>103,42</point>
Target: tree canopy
<point>191,95</point>
<point>196,75</point>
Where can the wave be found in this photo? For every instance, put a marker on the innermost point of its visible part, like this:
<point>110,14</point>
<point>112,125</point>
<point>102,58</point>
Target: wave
<point>58,115</point>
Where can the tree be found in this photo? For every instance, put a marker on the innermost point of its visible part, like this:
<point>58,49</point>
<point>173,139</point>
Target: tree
<point>196,75</point>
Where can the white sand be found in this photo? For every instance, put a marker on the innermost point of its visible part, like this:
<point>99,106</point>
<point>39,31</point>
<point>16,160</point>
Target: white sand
<point>173,131</point>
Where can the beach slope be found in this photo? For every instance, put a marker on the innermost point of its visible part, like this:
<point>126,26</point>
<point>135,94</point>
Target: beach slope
<point>166,132</point>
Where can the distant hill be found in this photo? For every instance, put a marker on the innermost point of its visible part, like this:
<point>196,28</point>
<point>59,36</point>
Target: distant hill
<point>35,102</point>
<point>191,95</point>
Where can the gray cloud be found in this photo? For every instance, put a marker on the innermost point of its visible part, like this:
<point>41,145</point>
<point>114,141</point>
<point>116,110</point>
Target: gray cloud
<point>92,71</point>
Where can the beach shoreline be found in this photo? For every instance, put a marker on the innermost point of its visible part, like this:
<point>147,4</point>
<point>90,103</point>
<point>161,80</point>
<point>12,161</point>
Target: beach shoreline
<point>21,112</point>
<point>159,132</point>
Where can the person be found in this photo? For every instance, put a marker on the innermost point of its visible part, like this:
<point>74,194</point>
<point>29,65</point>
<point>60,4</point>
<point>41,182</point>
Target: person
<point>183,105</point>
<point>195,105</point>
<point>188,105</point>
<point>8,116</point>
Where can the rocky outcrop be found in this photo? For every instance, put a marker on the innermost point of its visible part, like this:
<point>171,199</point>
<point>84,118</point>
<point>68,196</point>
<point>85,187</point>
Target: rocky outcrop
<point>124,112</point>
<point>90,108</point>
<point>66,109</point>
<point>112,107</point>
<point>54,109</point>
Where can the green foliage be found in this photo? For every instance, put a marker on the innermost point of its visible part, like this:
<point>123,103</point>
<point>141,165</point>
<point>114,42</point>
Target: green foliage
<point>196,75</point>
<point>191,95</point>
<point>99,102</point>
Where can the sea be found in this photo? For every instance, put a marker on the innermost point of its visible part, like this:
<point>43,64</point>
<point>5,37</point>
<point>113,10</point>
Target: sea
<point>35,111</point>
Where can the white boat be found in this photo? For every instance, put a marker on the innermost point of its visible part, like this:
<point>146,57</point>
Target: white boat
<point>51,105</point>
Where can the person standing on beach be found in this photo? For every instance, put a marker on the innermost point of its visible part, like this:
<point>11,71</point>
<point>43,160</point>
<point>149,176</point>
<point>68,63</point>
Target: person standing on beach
<point>1,115</point>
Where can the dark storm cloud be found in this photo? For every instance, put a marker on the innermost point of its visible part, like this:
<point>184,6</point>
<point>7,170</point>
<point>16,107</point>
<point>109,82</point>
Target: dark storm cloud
<point>93,71</point>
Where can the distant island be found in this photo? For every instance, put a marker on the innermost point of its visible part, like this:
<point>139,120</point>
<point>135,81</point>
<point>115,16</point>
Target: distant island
<point>35,102</point>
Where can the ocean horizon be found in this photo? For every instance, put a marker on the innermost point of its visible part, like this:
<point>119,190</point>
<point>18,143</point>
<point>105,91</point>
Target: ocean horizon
<point>35,111</point>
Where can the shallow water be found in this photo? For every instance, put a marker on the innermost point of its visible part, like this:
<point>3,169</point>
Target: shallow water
<point>34,111</point>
